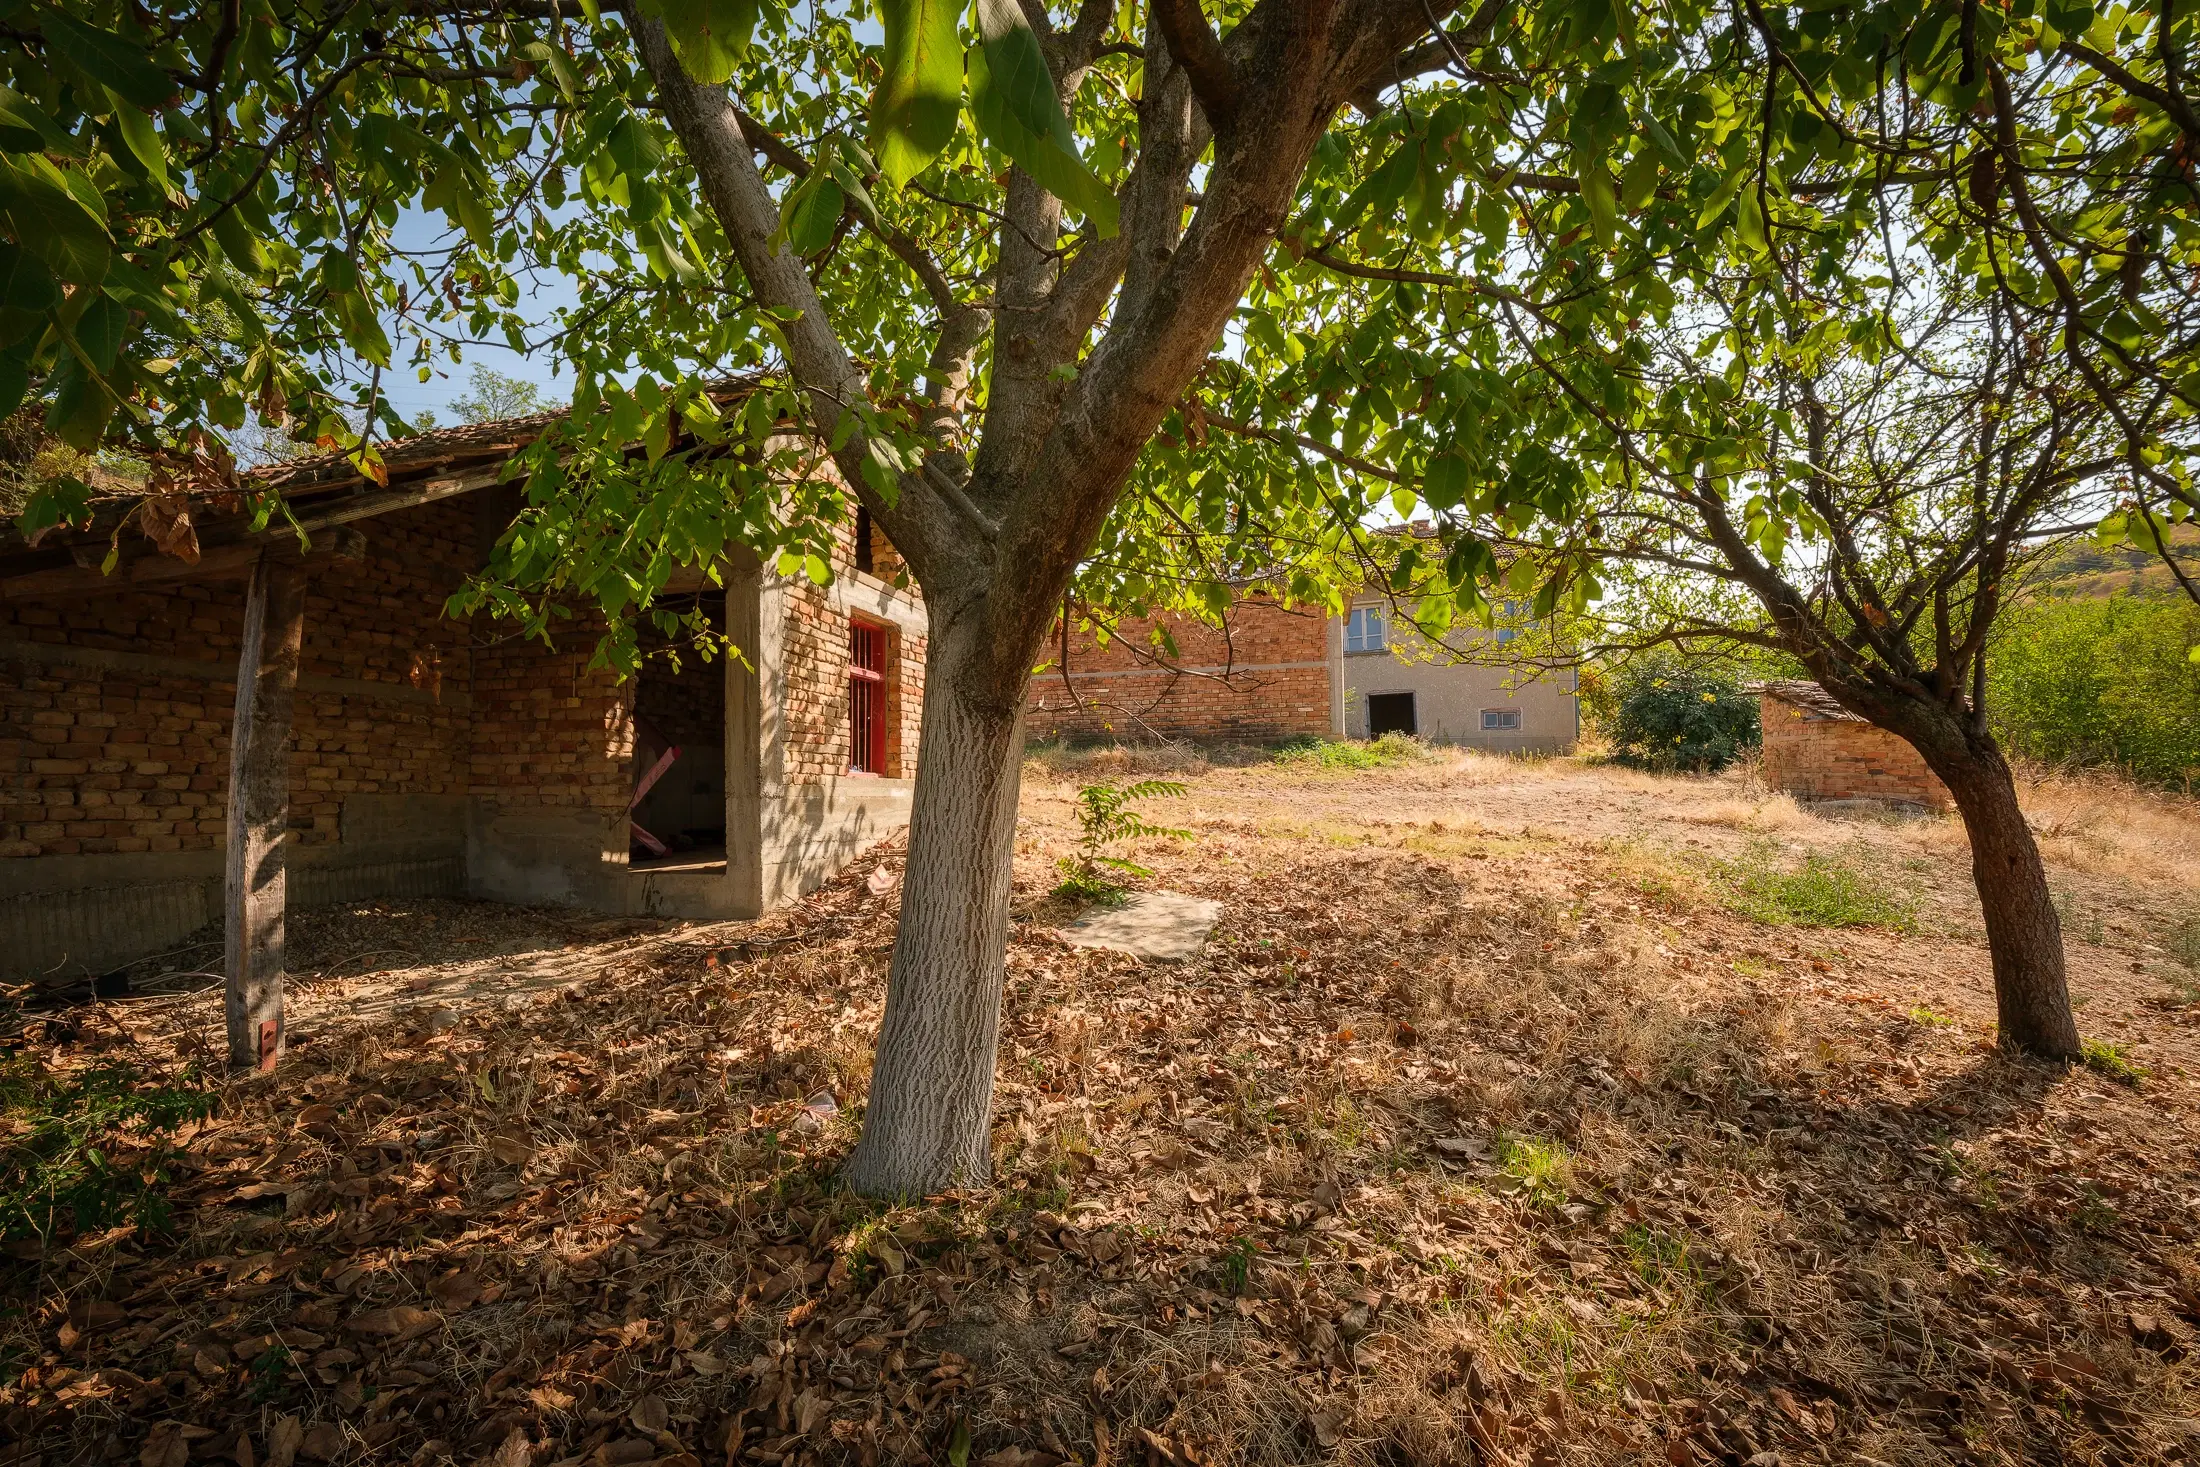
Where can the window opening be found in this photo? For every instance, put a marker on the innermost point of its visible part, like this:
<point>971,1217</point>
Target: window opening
<point>1499,720</point>
<point>863,539</point>
<point>1363,630</point>
<point>866,698</point>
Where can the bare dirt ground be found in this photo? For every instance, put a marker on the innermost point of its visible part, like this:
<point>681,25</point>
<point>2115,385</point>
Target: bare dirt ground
<point>1489,1128</point>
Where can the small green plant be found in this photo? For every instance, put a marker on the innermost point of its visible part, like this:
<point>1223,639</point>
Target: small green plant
<point>2112,1060</point>
<point>1391,748</point>
<point>1931,1018</point>
<point>1237,1266</point>
<point>1825,891</point>
<point>1104,817</point>
<point>1543,1169</point>
<point>90,1150</point>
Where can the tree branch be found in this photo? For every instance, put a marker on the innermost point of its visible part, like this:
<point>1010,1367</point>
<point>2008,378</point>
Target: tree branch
<point>1192,42</point>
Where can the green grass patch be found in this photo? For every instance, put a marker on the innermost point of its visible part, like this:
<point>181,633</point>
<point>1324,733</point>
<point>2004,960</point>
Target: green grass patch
<point>1390,749</point>
<point>1930,1018</point>
<point>1544,1170</point>
<point>88,1150</point>
<point>1824,891</point>
<point>2112,1060</point>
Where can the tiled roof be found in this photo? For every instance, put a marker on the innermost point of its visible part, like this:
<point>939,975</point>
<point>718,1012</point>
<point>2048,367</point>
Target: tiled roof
<point>1806,695</point>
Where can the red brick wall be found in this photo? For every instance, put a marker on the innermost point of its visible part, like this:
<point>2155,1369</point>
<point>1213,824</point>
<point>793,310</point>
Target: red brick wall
<point>1264,675</point>
<point>818,732</point>
<point>1839,759</point>
<point>135,757</point>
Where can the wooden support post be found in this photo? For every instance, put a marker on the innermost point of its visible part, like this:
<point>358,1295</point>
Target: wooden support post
<point>259,812</point>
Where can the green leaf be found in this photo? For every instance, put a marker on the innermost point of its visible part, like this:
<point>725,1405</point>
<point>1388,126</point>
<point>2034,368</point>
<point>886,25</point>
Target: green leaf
<point>25,128</point>
<point>913,111</point>
<point>1723,195</point>
<point>1013,102</point>
<point>238,243</point>
<point>1749,221</point>
<point>1640,179</point>
<point>25,283</point>
<point>709,36</point>
<point>144,142</point>
<point>121,66</point>
<point>812,213</point>
<point>15,376</point>
<point>97,330</point>
<point>958,1444</point>
<point>48,219</point>
<point>1597,193</point>
<point>82,404</point>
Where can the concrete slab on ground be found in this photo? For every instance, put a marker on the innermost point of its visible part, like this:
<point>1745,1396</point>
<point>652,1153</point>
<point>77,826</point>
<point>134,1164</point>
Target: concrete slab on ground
<point>1153,924</point>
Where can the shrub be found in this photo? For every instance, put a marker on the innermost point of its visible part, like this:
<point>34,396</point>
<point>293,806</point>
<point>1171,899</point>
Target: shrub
<point>1105,817</point>
<point>2105,682</point>
<point>1668,715</point>
<point>88,1150</point>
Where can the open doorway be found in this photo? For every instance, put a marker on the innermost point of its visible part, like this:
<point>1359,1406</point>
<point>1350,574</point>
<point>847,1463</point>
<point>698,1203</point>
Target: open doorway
<point>1391,713</point>
<point>678,810</point>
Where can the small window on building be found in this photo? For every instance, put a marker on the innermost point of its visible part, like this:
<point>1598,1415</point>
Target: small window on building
<point>866,698</point>
<point>863,539</point>
<point>1501,720</point>
<point>1508,612</point>
<point>1363,630</point>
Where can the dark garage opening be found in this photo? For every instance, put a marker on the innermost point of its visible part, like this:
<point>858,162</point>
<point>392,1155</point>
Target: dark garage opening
<point>1390,713</point>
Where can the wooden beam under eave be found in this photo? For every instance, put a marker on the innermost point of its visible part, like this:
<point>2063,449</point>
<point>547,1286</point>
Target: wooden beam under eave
<point>236,560</point>
<point>255,885</point>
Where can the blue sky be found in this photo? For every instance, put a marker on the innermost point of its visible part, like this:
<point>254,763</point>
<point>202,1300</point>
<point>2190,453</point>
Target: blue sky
<point>539,303</point>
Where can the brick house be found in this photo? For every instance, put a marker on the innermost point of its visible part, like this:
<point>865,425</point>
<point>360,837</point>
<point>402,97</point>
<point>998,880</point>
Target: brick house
<point>425,755</point>
<point>1817,750</point>
<point>1271,672</point>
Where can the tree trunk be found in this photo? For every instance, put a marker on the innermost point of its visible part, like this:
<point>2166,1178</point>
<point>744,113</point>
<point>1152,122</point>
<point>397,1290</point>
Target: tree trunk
<point>255,889</point>
<point>928,1124</point>
<point>2023,932</point>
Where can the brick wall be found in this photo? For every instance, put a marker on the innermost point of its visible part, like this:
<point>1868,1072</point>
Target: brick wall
<point>1264,675</point>
<point>818,731</point>
<point>1820,758</point>
<point>548,729</point>
<point>114,720</point>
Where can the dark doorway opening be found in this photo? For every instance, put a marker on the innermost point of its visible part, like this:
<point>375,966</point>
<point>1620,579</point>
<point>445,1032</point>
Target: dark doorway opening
<point>1390,713</point>
<point>679,805</point>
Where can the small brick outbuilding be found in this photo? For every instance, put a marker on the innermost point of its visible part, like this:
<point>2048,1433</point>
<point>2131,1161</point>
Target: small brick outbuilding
<point>408,754</point>
<point>1817,750</point>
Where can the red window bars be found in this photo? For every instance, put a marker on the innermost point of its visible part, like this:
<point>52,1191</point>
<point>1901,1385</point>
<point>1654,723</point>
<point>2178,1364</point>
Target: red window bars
<point>866,699</point>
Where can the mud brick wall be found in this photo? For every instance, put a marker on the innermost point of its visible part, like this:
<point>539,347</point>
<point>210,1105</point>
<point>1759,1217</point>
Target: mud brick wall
<point>1264,675</point>
<point>115,708</point>
<point>818,731</point>
<point>686,705</point>
<point>549,729</point>
<point>1820,758</point>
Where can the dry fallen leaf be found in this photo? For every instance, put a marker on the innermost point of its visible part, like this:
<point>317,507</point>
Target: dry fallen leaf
<point>397,1324</point>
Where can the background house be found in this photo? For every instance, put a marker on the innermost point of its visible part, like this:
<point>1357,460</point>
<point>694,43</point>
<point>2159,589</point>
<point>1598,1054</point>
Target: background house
<point>428,756</point>
<point>1273,672</point>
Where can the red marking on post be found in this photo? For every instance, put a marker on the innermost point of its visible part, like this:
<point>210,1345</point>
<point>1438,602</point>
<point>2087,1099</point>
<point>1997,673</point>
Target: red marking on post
<point>270,1034</point>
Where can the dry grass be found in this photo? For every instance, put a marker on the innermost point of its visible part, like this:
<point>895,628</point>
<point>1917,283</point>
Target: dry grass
<point>1466,1141</point>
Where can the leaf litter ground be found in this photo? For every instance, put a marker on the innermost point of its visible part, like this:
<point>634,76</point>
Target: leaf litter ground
<point>1482,1132</point>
